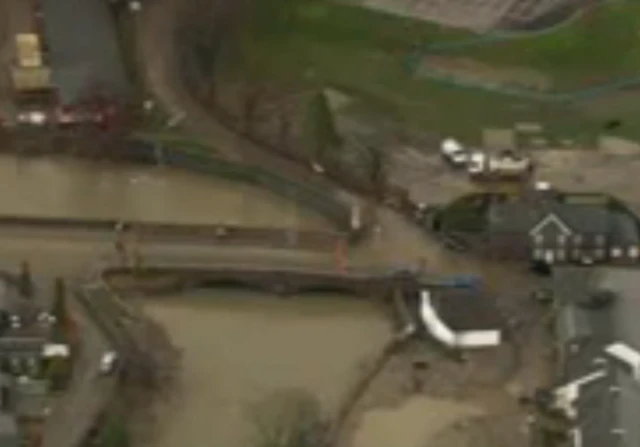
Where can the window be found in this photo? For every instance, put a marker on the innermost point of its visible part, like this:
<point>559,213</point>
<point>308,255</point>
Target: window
<point>562,239</point>
<point>562,255</point>
<point>599,253</point>
<point>616,252</point>
<point>600,240</point>
<point>538,239</point>
<point>538,254</point>
<point>577,239</point>
<point>633,252</point>
<point>576,254</point>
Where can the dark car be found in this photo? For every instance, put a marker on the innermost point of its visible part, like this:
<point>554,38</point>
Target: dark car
<point>599,299</point>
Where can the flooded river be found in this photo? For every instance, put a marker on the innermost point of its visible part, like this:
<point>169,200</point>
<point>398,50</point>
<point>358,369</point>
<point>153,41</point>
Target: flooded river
<point>72,188</point>
<point>240,347</point>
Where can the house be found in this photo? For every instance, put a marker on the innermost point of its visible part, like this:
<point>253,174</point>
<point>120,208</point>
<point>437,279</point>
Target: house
<point>25,328</point>
<point>9,434</point>
<point>546,226</point>
<point>598,384</point>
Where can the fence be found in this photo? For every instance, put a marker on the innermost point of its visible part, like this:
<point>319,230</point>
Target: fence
<point>411,63</point>
<point>197,159</point>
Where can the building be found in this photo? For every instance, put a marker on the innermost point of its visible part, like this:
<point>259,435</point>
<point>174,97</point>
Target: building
<point>84,53</point>
<point>9,434</point>
<point>25,329</point>
<point>31,408</point>
<point>545,226</point>
<point>598,345</point>
<point>457,317</point>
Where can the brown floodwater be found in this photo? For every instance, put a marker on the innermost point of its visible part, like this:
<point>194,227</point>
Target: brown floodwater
<point>411,424</point>
<point>73,188</point>
<point>240,347</point>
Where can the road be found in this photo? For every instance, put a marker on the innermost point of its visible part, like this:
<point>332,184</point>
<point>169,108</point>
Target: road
<point>88,392</point>
<point>155,29</point>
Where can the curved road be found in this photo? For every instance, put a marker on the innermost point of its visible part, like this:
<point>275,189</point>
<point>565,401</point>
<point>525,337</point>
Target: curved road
<point>156,56</point>
<point>396,239</point>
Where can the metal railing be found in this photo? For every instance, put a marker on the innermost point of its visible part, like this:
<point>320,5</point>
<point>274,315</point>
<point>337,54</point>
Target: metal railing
<point>198,159</point>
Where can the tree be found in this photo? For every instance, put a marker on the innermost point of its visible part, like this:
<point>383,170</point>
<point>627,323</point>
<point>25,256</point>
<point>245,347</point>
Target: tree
<point>59,310</point>
<point>250,105</point>
<point>378,168</point>
<point>25,283</point>
<point>114,433</point>
<point>290,418</point>
<point>58,371</point>
<point>284,128</point>
<point>320,130</point>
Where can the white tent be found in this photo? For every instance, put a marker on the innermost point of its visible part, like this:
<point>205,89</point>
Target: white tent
<point>444,334</point>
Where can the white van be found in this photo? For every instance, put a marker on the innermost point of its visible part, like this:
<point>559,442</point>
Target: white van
<point>454,152</point>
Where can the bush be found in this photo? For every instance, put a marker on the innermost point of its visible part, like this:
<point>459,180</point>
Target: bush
<point>290,418</point>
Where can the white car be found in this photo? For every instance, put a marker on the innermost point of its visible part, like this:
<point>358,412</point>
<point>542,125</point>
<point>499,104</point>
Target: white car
<point>454,152</point>
<point>34,118</point>
<point>108,362</point>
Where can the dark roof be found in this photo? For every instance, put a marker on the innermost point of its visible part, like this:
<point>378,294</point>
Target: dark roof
<point>84,51</point>
<point>601,410</point>
<point>21,345</point>
<point>624,229</point>
<point>523,216</point>
<point>8,430</point>
<point>31,398</point>
<point>464,309</point>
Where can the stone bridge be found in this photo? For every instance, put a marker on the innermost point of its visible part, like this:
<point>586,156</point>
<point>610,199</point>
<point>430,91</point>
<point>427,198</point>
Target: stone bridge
<point>283,280</point>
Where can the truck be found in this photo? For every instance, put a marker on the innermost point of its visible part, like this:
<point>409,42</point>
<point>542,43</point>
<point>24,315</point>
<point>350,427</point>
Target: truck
<point>504,165</point>
<point>28,50</point>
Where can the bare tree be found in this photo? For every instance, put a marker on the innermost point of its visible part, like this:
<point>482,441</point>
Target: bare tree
<point>289,418</point>
<point>284,128</point>
<point>250,106</point>
<point>378,167</point>
<point>25,282</point>
<point>321,132</point>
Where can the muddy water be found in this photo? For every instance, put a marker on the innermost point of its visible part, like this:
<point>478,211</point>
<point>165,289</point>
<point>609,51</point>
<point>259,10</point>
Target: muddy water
<point>411,424</point>
<point>74,188</point>
<point>240,347</point>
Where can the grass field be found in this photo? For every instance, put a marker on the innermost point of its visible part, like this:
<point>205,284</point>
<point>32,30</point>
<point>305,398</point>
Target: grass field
<point>365,53</point>
<point>603,43</point>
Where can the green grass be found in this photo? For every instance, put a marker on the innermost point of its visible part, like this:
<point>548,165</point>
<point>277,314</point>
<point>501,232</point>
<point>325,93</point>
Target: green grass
<point>604,43</point>
<point>364,53</point>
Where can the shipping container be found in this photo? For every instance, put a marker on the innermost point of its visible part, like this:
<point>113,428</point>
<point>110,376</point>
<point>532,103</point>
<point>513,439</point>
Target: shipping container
<point>29,53</point>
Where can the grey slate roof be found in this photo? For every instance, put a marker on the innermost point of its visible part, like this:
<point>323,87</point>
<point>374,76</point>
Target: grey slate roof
<point>31,398</point>
<point>522,216</point>
<point>84,51</point>
<point>8,430</point>
<point>600,409</point>
<point>462,309</point>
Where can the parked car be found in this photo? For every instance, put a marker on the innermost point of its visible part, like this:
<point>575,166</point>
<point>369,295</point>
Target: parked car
<point>454,152</point>
<point>599,299</point>
<point>108,362</point>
